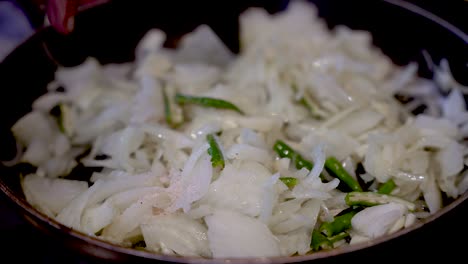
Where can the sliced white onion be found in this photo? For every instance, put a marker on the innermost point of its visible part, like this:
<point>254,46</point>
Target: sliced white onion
<point>359,121</point>
<point>177,232</point>
<point>319,157</point>
<point>244,182</point>
<point>269,198</point>
<point>377,220</point>
<point>51,195</point>
<point>34,125</point>
<point>247,152</point>
<point>194,182</point>
<point>231,235</point>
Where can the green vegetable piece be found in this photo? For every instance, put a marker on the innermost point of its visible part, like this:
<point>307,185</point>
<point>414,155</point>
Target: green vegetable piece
<point>372,198</point>
<point>285,151</point>
<point>98,233</point>
<point>58,112</point>
<point>338,237</point>
<point>331,164</point>
<point>167,108</point>
<point>338,225</point>
<point>303,163</point>
<point>334,167</point>
<point>319,241</point>
<point>387,187</point>
<point>289,181</point>
<point>61,119</point>
<point>141,245</point>
<point>206,102</point>
<point>306,102</point>
<point>217,158</point>
<point>172,116</point>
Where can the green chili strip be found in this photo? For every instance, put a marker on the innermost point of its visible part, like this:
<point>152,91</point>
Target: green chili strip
<point>285,151</point>
<point>338,225</point>
<point>139,245</point>
<point>387,187</point>
<point>338,237</point>
<point>217,158</point>
<point>372,198</point>
<point>172,116</point>
<point>98,233</point>
<point>167,108</point>
<point>289,181</point>
<point>206,102</point>
<point>334,167</point>
<point>306,102</point>
<point>319,241</point>
<point>58,113</point>
<point>331,164</point>
<point>61,118</point>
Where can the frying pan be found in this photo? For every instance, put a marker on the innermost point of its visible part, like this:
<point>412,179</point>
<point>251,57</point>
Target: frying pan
<point>110,32</point>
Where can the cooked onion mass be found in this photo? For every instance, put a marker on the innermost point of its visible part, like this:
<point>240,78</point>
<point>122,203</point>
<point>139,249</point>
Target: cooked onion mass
<point>296,145</point>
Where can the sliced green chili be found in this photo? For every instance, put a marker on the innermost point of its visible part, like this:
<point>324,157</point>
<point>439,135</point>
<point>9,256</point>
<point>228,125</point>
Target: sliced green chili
<point>61,118</point>
<point>98,233</point>
<point>172,119</point>
<point>372,198</point>
<point>339,224</point>
<point>334,167</point>
<point>167,108</point>
<point>285,151</point>
<point>57,113</point>
<point>303,101</point>
<point>217,158</point>
<point>387,187</point>
<point>319,241</point>
<point>306,103</point>
<point>206,102</point>
<point>338,237</point>
<point>139,245</point>
<point>289,181</point>
<point>331,164</point>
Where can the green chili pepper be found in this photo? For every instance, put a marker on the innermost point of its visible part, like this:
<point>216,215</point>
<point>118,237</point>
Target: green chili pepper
<point>334,167</point>
<point>172,118</point>
<point>98,233</point>
<point>217,158</point>
<point>306,102</point>
<point>61,119</point>
<point>319,241</point>
<point>372,198</point>
<point>331,164</point>
<point>167,108</point>
<point>338,237</point>
<point>289,181</point>
<point>387,187</point>
<point>338,225</point>
<point>285,151</point>
<point>206,102</point>
<point>59,112</point>
<point>139,245</point>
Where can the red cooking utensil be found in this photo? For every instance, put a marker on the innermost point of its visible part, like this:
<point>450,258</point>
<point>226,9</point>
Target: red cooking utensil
<point>61,13</point>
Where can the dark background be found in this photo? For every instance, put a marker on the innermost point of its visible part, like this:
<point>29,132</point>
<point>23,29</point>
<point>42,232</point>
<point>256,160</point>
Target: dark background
<point>22,243</point>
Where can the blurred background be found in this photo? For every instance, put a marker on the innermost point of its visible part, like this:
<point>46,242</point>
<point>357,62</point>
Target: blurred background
<point>14,27</point>
<point>21,18</point>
